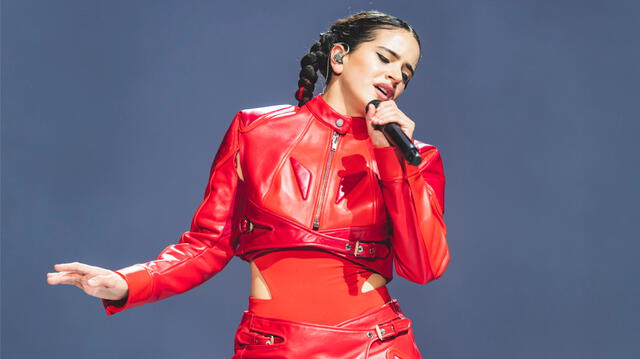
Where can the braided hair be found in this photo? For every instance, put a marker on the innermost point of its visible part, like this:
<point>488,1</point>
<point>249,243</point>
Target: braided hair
<point>352,31</point>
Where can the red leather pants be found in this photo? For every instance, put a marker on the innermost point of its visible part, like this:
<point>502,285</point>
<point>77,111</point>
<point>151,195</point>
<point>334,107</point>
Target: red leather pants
<point>382,334</point>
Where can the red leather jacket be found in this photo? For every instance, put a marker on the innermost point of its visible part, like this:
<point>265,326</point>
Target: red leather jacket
<point>312,178</point>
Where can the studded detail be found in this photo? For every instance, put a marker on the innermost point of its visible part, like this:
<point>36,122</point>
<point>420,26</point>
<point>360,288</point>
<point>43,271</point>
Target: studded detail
<point>370,334</point>
<point>339,122</point>
<point>245,225</point>
<point>348,246</point>
<point>359,248</point>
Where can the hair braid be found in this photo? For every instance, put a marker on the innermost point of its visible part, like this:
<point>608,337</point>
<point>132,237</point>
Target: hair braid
<point>311,62</point>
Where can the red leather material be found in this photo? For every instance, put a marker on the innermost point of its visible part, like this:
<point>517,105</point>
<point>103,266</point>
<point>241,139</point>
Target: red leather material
<point>317,171</point>
<point>303,176</point>
<point>262,231</point>
<point>374,335</point>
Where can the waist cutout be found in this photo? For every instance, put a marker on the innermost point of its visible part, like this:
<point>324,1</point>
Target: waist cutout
<point>314,286</point>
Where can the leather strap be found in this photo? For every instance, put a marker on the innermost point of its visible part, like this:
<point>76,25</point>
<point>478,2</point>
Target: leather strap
<point>266,230</point>
<point>392,328</point>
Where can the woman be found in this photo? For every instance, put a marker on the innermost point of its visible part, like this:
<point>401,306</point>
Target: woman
<point>319,203</point>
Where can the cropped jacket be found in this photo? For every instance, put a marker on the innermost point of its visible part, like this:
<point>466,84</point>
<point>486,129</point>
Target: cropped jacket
<point>311,179</point>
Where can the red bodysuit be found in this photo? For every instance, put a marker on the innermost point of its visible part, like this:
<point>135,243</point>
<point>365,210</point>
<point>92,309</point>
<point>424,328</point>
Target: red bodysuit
<point>315,287</point>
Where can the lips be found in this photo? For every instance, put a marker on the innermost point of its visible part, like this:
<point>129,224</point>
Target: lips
<point>385,92</point>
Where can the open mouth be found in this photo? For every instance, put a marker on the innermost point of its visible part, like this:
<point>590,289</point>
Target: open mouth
<point>382,93</point>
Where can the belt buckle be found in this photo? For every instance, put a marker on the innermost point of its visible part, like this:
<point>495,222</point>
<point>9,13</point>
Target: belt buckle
<point>380,332</point>
<point>358,248</point>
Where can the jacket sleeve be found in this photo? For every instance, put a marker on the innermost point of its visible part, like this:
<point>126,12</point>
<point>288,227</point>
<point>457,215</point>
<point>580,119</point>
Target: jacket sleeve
<point>205,249</point>
<point>414,197</point>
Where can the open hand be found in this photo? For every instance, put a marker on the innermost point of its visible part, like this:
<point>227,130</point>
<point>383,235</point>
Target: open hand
<point>95,281</point>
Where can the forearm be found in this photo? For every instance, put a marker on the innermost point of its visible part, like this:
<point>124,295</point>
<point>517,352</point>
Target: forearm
<point>415,210</point>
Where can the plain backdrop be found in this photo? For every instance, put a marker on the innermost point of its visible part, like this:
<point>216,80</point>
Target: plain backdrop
<point>112,112</point>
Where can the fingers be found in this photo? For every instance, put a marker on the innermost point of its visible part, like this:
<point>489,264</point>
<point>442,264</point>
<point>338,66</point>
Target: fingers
<point>387,112</point>
<point>377,114</point>
<point>79,268</point>
<point>373,116</point>
<point>90,285</point>
<point>371,110</point>
<point>78,274</point>
<point>71,278</point>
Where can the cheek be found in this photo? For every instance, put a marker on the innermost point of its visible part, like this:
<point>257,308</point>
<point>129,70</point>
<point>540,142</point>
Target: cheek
<point>355,79</point>
<point>364,75</point>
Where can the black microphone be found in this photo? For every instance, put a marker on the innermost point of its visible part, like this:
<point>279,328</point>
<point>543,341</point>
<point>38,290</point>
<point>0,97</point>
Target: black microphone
<point>397,137</point>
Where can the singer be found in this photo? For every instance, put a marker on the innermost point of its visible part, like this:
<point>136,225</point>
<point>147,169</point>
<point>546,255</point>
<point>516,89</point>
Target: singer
<point>319,204</point>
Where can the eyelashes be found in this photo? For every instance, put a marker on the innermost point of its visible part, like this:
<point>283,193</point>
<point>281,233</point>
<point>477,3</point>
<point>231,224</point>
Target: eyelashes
<point>405,77</point>
<point>383,59</point>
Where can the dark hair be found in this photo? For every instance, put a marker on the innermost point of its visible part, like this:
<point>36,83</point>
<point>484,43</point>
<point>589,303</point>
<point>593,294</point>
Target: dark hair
<point>353,31</point>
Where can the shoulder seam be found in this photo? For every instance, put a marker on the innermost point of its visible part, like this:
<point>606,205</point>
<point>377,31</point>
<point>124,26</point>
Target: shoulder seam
<point>423,146</point>
<point>263,116</point>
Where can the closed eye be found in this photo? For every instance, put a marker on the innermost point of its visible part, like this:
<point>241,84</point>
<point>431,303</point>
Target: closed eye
<point>383,59</point>
<point>405,77</point>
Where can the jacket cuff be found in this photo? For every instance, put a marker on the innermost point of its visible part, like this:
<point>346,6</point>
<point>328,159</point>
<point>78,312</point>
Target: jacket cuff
<point>389,162</point>
<point>412,170</point>
<point>140,286</point>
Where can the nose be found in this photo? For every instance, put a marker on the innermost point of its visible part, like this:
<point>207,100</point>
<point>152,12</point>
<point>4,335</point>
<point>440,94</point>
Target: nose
<point>395,76</point>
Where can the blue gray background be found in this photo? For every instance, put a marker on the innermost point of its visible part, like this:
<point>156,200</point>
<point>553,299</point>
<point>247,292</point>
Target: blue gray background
<point>112,112</point>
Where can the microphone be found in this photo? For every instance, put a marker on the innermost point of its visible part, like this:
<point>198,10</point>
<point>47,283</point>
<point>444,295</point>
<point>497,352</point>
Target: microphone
<point>398,138</point>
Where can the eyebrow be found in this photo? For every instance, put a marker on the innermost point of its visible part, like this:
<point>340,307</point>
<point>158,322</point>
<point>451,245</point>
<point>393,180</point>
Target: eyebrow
<point>397,57</point>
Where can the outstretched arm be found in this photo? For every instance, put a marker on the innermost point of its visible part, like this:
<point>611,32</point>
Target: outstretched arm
<point>205,249</point>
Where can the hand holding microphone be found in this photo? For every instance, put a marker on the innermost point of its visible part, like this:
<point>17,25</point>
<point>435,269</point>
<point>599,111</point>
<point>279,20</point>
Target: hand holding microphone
<point>388,126</point>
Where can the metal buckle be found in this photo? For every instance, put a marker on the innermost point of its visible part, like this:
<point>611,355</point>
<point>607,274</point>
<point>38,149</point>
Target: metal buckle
<point>271,340</point>
<point>358,248</point>
<point>379,331</point>
<point>246,226</point>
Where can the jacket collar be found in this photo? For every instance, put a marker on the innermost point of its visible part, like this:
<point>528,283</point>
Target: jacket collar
<point>330,117</point>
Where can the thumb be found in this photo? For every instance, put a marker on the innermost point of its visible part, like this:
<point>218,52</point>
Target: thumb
<point>371,110</point>
<point>104,280</point>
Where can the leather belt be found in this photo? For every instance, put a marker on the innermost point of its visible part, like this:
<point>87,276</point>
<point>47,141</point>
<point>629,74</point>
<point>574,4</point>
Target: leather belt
<point>266,230</point>
<point>391,329</point>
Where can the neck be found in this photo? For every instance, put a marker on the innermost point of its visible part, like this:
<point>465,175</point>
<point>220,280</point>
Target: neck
<point>334,97</point>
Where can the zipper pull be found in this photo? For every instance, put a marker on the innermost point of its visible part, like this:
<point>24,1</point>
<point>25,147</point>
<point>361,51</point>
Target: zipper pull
<point>334,142</point>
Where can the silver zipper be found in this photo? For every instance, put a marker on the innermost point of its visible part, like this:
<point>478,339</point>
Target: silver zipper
<point>334,145</point>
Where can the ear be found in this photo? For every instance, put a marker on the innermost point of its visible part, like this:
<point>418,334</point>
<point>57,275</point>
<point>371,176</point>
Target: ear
<point>338,48</point>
